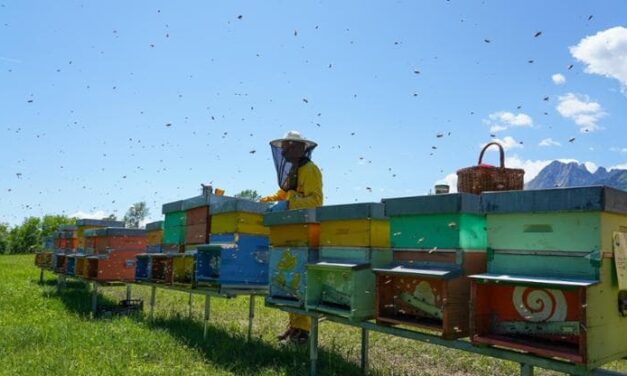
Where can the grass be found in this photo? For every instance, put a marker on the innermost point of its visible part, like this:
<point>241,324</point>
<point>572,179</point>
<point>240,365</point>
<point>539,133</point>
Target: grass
<point>43,332</point>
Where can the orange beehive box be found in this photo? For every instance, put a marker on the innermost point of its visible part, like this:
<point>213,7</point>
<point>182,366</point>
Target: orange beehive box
<point>117,266</point>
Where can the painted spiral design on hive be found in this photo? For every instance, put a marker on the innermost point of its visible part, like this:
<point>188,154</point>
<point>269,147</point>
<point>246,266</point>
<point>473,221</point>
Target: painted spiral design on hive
<point>538,305</point>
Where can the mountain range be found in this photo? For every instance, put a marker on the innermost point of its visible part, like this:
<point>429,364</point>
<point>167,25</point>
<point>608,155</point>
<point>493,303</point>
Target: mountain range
<point>572,174</point>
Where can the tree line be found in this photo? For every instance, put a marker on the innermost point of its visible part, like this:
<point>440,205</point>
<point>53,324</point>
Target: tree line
<point>28,236</point>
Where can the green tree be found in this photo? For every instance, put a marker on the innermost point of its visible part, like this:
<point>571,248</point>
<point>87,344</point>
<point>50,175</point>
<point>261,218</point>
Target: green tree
<point>249,194</point>
<point>4,238</point>
<point>111,217</point>
<point>136,214</point>
<point>50,223</point>
<point>26,238</point>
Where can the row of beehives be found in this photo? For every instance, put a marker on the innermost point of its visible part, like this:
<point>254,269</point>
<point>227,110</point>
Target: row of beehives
<point>223,239</point>
<point>540,271</point>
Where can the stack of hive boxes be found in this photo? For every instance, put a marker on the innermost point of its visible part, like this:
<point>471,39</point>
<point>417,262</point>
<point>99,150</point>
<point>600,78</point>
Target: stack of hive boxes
<point>43,258</point>
<point>555,284</point>
<point>437,241</point>
<point>353,239</point>
<point>174,232</point>
<point>294,241</point>
<point>115,251</point>
<point>81,226</point>
<point>237,254</point>
<point>67,243</point>
<point>154,235</point>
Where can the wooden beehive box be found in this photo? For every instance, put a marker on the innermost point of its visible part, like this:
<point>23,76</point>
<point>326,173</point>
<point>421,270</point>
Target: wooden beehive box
<point>143,267</point>
<point>342,282</point>
<point>80,266</point>
<point>428,289</point>
<point>43,259</point>
<point>154,236</point>
<point>174,223</point>
<point>161,268</point>
<point>183,269</point>
<point>86,224</point>
<point>234,260</point>
<point>112,239</point>
<point>70,264</point>
<point>552,262</point>
<point>293,228</point>
<point>116,266</point>
<point>60,263</point>
<point>353,225</point>
<point>447,221</point>
<point>287,274</point>
<point>238,216</point>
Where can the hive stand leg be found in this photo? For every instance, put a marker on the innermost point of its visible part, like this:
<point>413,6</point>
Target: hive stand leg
<point>526,369</point>
<point>251,316</point>
<point>364,350</point>
<point>207,313</point>
<point>60,282</point>
<point>41,276</point>
<point>313,347</point>
<point>189,303</point>
<point>153,296</point>
<point>94,298</point>
<point>128,291</point>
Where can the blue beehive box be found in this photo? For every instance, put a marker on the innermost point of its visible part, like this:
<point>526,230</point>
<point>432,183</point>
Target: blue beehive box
<point>143,267</point>
<point>287,274</point>
<point>70,264</point>
<point>234,260</point>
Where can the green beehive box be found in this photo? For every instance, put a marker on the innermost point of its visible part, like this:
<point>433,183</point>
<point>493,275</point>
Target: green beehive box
<point>342,289</point>
<point>342,283</point>
<point>175,219</point>
<point>447,221</point>
<point>174,235</point>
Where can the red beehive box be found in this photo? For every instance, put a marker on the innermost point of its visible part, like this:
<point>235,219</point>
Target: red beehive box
<point>428,289</point>
<point>161,268</point>
<point>116,249</point>
<point>198,225</point>
<point>60,266</point>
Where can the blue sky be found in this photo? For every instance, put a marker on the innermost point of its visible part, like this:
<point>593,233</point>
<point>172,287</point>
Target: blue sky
<point>87,90</point>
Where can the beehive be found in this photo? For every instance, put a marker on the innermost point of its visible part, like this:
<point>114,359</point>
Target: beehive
<point>161,268</point>
<point>143,267</point>
<point>233,259</point>
<point>116,266</point>
<point>354,225</point>
<point>85,224</point>
<point>174,223</point>
<point>60,263</point>
<point>342,283</point>
<point>287,274</point>
<point>80,266</point>
<point>70,264</point>
<point>293,228</point>
<point>238,216</point>
<point>553,265</point>
<point>439,240</point>
<point>183,269</point>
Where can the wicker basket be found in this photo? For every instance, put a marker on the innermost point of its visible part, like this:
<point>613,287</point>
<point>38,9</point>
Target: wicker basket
<point>483,178</point>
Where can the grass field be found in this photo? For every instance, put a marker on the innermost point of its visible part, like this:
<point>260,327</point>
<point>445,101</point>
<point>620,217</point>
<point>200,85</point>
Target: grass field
<point>43,332</point>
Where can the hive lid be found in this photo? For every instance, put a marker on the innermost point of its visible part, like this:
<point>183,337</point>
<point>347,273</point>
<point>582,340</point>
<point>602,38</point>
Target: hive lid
<point>577,199</point>
<point>534,280</point>
<point>171,207</point>
<point>67,227</point>
<point>288,217</point>
<point>153,226</point>
<point>99,222</point>
<point>340,264</point>
<point>90,232</point>
<point>238,205</point>
<point>204,200</point>
<point>440,273</point>
<point>119,231</point>
<point>433,204</point>
<point>371,210</point>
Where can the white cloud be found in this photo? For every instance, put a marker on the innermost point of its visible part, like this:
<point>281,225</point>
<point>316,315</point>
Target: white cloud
<point>451,181</point>
<point>558,79</point>
<point>99,214</point>
<point>508,142</point>
<point>502,120</point>
<point>549,142</point>
<point>591,166</point>
<point>622,166</point>
<point>619,150</point>
<point>580,109</point>
<point>604,53</point>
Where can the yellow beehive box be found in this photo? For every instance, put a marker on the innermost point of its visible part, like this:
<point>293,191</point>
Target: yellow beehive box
<point>183,269</point>
<point>354,225</point>
<point>293,228</point>
<point>154,237</point>
<point>238,222</point>
<point>80,266</point>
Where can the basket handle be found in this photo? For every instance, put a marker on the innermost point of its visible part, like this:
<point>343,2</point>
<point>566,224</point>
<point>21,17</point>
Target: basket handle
<point>502,153</point>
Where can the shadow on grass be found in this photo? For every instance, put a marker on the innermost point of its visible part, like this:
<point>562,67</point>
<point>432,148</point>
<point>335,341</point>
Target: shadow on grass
<point>232,351</point>
<point>228,350</point>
